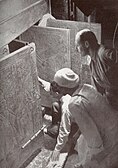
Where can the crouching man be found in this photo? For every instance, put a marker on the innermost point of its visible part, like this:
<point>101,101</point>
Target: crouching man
<point>65,83</point>
<point>98,123</point>
<point>63,126</point>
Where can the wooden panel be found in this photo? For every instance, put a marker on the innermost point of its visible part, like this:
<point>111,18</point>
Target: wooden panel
<point>76,59</point>
<point>76,26</point>
<point>16,44</point>
<point>52,50</point>
<point>20,109</point>
<point>17,16</point>
<point>11,47</point>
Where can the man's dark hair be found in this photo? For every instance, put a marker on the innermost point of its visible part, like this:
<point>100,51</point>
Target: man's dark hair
<point>88,36</point>
<point>56,88</point>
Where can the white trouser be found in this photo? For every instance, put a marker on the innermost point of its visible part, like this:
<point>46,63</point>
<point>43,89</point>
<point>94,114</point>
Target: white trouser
<point>85,153</point>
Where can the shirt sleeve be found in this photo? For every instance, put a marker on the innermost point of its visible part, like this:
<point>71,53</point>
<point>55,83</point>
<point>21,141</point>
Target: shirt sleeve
<point>45,84</point>
<point>64,130</point>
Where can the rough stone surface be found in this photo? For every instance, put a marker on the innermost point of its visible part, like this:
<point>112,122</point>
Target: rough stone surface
<point>76,60</point>
<point>42,159</point>
<point>52,52</point>
<point>20,107</point>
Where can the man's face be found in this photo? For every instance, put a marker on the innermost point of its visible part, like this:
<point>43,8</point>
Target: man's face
<point>82,49</point>
<point>55,91</point>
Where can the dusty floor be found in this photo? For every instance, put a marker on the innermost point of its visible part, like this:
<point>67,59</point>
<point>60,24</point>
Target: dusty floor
<point>42,158</point>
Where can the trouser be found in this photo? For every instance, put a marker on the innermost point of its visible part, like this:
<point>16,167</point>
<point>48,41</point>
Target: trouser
<point>56,119</point>
<point>53,129</point>
<point>56,112</point>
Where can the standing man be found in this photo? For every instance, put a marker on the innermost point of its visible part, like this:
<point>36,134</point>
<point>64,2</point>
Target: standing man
<point>103,66</point>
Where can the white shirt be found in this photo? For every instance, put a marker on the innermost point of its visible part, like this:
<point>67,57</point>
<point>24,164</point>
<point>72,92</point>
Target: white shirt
<point>66,118</point>
<point>65,124</point>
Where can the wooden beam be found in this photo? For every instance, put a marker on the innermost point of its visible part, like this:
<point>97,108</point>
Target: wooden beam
<point>17,16</point>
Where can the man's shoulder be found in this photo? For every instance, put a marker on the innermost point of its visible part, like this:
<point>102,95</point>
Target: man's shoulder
<point>81,95</point>
<point>86,88</point>
<point>84,95</point>
<point>65,98</point>
<point>75,99</point>
<point>106,53</point>
<point>105,49</point>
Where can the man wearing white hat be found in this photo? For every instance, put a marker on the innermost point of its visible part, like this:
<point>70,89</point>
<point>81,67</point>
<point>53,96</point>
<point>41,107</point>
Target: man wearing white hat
<point>64,84</point>
<point>97,121</point>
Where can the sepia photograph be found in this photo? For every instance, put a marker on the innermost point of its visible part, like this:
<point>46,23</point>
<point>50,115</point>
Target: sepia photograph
<point>58,83</point>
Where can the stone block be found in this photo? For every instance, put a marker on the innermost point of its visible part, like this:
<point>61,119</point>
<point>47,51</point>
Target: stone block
<point>17,18</point>
<point>20,107</point>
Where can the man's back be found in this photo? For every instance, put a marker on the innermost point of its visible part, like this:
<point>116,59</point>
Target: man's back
<point>97,120</point>
<point>104,70</point>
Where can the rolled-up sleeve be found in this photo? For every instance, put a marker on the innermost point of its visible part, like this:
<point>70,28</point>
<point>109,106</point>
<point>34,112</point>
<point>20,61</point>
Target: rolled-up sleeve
<point>64,130</point>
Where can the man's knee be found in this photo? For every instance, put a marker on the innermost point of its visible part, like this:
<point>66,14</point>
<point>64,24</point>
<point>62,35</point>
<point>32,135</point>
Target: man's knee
<point>56,106</point>
<point>56,112</point>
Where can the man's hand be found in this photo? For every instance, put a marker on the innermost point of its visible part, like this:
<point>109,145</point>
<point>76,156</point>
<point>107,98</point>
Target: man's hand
<point>44,84</point>
<point>54,160</point>
<point>55,156</point>
<point>51,165</point>
<point>78,166</point>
